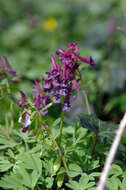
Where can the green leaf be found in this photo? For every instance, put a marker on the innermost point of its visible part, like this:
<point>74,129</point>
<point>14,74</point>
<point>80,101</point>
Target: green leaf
<point>116,170</point>
<point>113,183</point>
<point>123,184</point>
<point>12,182</point>
<point>5,143</point>
<point>75,167</point>
<point>24,176</point>
<point>89,185</point>
<point>49,182</point>
<point>32,161</point>
<point>5,164</point>
<point>73,185</point>
<point>75,170</point>
<point>84,180</point>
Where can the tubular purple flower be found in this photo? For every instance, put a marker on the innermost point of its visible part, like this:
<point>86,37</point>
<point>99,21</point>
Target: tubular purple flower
<point>59,67</point>
<point>87,60</point>
<point>53,66</point>
<point>68,51</point>
<point>76,49</point>
<point>36,86</point>
<point>92,62</point>
<point>64,71</point>
<point>11,71</point>
<point>37,101</point>
<point>23,99</point>
<point>60,52</point>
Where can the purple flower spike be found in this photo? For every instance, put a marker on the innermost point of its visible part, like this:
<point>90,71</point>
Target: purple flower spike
<point>6,62</point>
<point>61,80</point>
<point>13,72</point>
<point>1,65</point>
<point>83,59</point>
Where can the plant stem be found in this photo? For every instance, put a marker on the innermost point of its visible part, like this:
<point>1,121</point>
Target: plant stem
<point>85,94</point>
<point>7,123</point>
<point>61,127</point>
<point>11,105</point>
<point>86,101</point>
<point>6,113</point>
<point>60,153</point>
<point>94,144</point>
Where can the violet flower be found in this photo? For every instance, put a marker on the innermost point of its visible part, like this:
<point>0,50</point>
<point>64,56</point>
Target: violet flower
<point>62,78</point>
<point>36,86</point>
<point>26,122</point>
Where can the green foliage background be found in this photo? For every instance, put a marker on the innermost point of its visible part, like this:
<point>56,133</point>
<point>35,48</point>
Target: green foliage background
<point>33,162</point>
<point>90,23</point>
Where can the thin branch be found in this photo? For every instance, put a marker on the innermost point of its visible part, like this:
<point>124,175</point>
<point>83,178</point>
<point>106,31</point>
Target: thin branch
<point>60,153</point>
<point>111,155</point>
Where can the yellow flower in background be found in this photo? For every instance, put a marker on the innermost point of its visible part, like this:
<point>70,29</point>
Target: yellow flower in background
<point>50,24</point>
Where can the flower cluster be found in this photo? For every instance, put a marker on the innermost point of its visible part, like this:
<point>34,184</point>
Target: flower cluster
<point>6,70</point>
<point>58,85</point>
<point>61,82</point>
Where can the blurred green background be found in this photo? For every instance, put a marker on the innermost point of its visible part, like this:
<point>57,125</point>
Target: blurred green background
<point>32,30</point>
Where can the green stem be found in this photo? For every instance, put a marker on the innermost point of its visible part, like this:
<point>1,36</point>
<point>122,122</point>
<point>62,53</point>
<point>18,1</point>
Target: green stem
<point>7,123</point>
<point>6,113</point>
<point>60,153</point>
<point>61,127</point>
<point>94,144</point>
<point>11,105</point>
<point>85,94</point>
<point>86,101</point>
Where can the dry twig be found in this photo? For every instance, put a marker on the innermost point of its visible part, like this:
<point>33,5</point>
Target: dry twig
<point>111,155</point>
